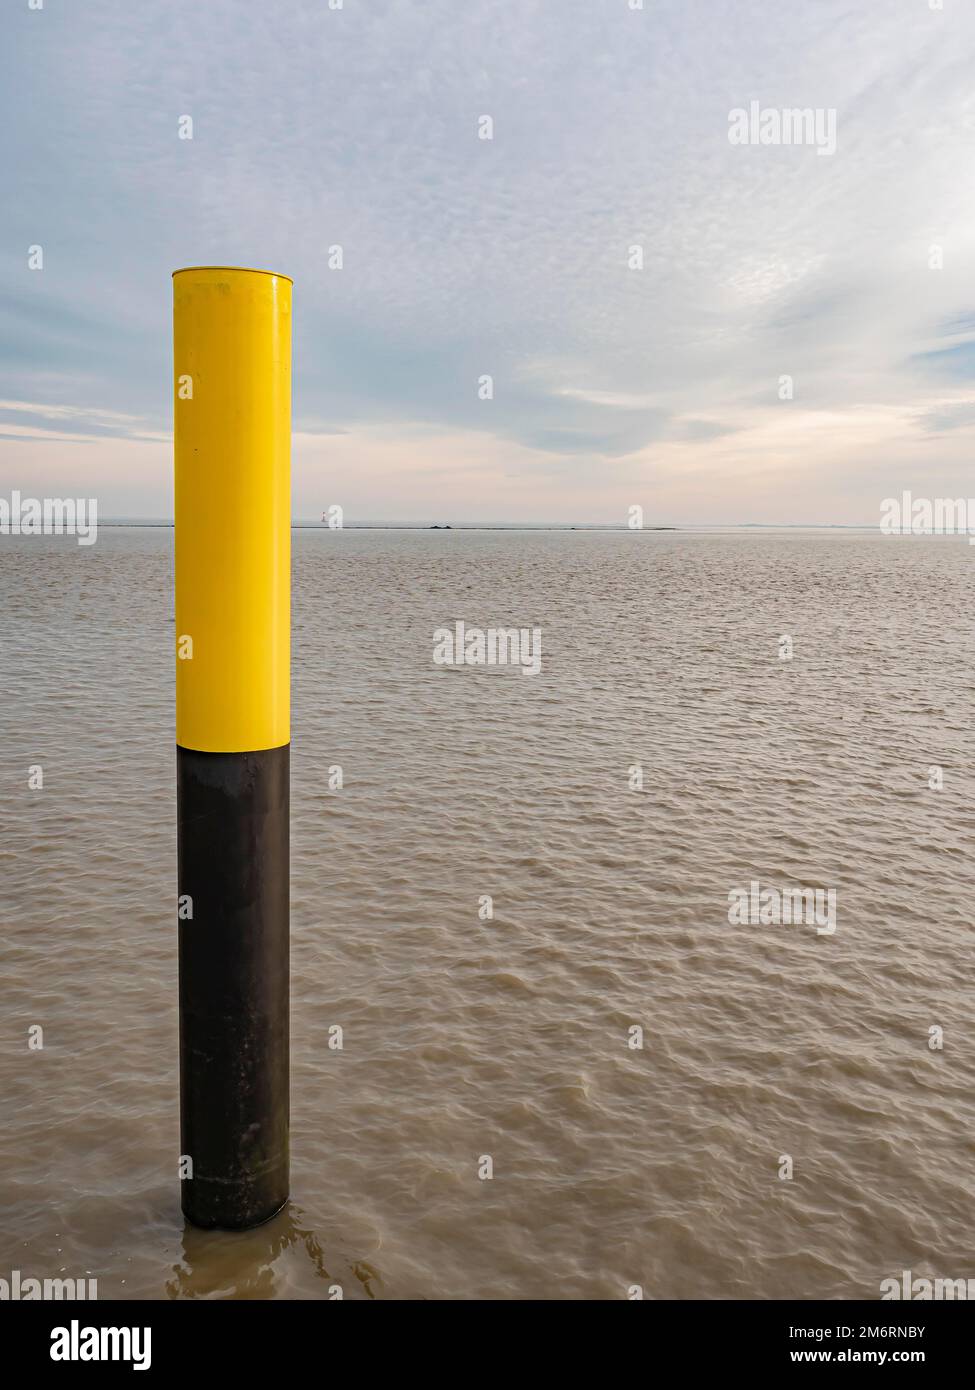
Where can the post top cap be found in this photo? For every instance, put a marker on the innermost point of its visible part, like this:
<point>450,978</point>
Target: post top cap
<point>236,270</point>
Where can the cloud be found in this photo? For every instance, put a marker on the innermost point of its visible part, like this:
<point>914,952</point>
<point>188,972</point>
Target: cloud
<point>461,257</point>
<point>948,417</point>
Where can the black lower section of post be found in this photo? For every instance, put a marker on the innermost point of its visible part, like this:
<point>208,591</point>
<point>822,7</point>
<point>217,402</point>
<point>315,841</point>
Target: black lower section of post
<point>233,811</point>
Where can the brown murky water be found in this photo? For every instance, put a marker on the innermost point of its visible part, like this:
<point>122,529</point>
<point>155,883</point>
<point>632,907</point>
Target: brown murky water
<point>613,1165</point>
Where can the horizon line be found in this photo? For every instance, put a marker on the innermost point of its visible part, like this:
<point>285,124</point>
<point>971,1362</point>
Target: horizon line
<point>299,524</point>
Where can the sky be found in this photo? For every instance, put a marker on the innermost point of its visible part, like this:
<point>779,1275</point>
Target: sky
<point>851,273</point>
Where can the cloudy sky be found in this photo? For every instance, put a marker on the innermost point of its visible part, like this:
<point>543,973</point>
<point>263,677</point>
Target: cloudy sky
<point>358,127</point>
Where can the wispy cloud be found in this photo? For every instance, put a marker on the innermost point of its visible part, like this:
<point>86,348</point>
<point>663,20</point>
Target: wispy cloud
<point>316,128</point>
<point>43,420</point>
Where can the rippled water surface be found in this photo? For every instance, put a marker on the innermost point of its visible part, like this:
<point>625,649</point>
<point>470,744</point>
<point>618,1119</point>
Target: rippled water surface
<point>613,1166</point>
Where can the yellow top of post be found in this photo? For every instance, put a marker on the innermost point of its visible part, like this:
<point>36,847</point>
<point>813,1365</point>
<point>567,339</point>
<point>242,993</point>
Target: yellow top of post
<point>232,429</point>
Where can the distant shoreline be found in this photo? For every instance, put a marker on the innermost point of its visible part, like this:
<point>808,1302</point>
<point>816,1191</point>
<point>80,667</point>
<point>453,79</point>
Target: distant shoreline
<point>420,526</point>
<point>411,526</point>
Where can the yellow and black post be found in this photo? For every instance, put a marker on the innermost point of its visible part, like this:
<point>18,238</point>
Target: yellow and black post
<point>232,370</point>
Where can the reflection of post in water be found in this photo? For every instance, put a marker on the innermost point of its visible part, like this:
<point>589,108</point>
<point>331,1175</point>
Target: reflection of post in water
<point>242,1266</point>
